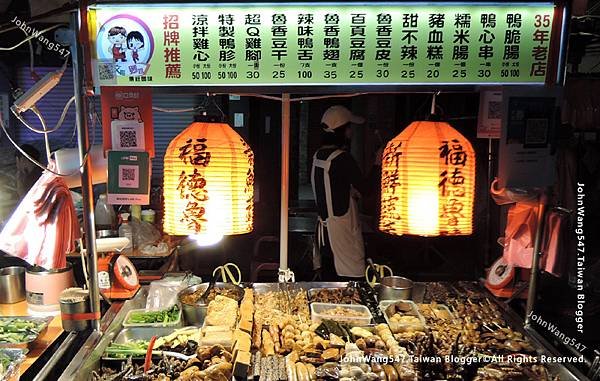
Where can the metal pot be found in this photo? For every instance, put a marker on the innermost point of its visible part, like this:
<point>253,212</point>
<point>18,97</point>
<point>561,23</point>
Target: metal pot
<point>395,288</point>
<point>195,313</point>
<point>12,284</point>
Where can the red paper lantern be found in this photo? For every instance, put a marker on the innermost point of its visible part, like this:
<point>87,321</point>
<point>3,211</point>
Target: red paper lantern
<point>428,182</point>
<point>208,182</point>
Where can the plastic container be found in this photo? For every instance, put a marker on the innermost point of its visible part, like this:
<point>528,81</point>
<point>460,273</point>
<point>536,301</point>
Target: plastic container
<point>67,162</point>
<point>104,214</point>
<point>397,327</point>
<point>321,311</point>
<point>16,358</point>
<point>149,216</point>
<point>125,230</point>
<point>136,212</point>
<point>176,323</point>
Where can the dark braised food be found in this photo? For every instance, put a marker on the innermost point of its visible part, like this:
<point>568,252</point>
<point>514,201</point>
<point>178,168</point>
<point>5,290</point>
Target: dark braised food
<point>348,295</point>
<point>194,297</point>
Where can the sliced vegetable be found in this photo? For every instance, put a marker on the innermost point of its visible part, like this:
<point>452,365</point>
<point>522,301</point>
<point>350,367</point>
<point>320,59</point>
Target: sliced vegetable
<point>151,317</point>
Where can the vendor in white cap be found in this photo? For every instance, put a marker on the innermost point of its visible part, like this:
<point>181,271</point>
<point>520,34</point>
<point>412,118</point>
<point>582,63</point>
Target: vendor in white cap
<point>337,183</point>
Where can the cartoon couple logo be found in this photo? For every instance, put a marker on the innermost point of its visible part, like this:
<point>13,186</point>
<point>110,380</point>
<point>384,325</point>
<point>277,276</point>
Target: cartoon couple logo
<point>125,43</point>
<point>120,40</point>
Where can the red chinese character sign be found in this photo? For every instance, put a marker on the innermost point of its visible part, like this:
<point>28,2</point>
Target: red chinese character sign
<point>428,182</point>
<point>208,183</point>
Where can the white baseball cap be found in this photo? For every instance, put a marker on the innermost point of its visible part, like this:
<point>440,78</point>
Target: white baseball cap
<point>337,116</point>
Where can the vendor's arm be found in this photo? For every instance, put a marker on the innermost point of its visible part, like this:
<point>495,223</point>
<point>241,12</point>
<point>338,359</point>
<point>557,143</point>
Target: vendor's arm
<point>364,184</point>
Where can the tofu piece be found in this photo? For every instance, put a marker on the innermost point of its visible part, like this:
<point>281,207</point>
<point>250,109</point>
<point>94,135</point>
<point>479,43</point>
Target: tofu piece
<point>245,326</point>
<point>243,344</point>
<point>218,338</point>
<point>241,364</point>
<point>247,308</point>
<point>215,328</point>
<point>240,336</point>
<point>222,311</point>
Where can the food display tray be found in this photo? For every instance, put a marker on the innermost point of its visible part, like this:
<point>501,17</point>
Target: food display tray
<point>128,335</point>
<point>397,327</point>
<point>45,321</point>
<point>317,312</point>
<point>175,324</point>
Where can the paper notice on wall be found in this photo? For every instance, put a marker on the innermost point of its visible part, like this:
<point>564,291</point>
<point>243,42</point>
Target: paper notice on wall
<point>489,120</point>
<point>127,121</point>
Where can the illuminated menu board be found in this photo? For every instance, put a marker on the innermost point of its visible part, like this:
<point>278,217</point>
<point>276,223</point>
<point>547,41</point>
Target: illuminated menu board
<point>321,44</point>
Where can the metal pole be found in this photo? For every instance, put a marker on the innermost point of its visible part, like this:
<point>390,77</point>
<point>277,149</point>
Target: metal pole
<point>488,232</point>
<point>535,259</point>
<point>87,192</point>
<point>285,179</point>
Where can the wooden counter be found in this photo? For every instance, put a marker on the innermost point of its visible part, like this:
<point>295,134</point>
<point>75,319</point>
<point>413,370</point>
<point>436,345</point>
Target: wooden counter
<point>52,333</point>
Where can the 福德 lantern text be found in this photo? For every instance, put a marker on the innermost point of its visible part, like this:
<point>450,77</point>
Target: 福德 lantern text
<point>428,182</point>
<point>208,183</point>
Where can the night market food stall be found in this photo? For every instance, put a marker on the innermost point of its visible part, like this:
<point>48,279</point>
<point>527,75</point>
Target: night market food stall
<point>180,330</point>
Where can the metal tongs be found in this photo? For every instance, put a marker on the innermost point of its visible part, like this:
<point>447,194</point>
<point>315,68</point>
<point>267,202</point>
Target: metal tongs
<point>211,285</point>
<point>379,271</point>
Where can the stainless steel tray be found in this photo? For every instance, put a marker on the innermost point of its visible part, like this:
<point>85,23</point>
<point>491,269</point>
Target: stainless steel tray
<point>141,333</point>
<point>127,335</point>
<point>45,321</point>
<point>263,288</point>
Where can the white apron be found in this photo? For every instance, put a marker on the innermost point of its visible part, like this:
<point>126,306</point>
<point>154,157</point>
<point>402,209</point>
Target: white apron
<point>344,232</point>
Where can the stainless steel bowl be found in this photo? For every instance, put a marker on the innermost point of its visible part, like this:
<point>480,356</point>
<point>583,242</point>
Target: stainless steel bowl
<point>195,313</point>
<point>12,284</point>
<point>395,288</point>
<point>107,233</point>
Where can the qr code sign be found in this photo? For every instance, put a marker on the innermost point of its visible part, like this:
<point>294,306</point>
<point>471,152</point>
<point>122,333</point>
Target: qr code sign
<point>106,71</point>
<point>495,110</point>
<point>129,176</point>
<point>128,139</point>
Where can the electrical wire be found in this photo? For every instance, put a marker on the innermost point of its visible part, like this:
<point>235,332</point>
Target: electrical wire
<point>36,111</point>
<point>174,110</point>
<point>318,97</point>
<point>37,34</point>
<point>42,166</point>
<point>44,129</point>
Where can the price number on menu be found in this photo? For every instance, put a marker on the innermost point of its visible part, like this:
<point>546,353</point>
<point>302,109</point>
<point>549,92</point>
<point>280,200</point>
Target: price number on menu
<point>355,74</point>
<point>510,73</point>
<point>201,75</point>
<point>227,75</point>
<point>304,74</point>
<point>330,74</point>
<point>278,74</point>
